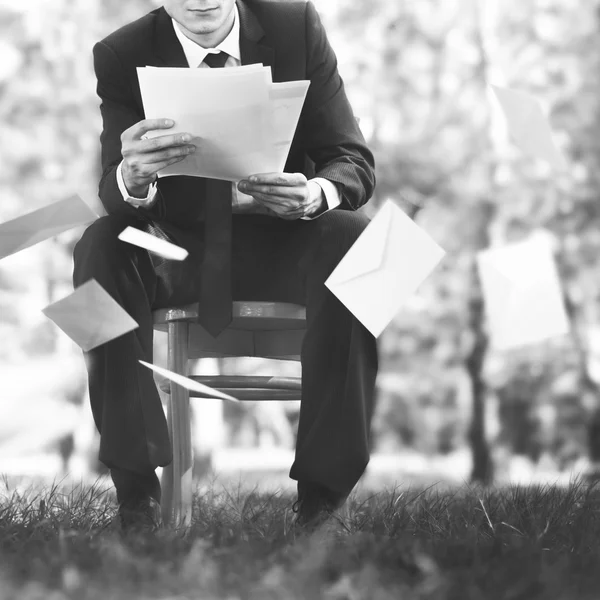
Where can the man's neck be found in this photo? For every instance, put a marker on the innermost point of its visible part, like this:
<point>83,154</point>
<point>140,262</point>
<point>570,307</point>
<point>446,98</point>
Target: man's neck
<point>211,40</point>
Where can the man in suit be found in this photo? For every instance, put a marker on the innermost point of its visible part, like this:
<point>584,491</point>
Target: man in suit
<point>277,237</point>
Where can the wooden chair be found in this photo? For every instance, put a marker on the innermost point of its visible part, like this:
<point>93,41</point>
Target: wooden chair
<point>263,329</point>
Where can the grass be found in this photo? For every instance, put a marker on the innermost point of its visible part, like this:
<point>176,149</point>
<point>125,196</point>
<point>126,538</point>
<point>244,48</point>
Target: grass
<point>468,543</point>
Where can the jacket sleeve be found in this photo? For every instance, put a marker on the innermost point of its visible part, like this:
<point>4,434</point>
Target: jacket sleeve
<point>330,133</point>
<point>119,112</point>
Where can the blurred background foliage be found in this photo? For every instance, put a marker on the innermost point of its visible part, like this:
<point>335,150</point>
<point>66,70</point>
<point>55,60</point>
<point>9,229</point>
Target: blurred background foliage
<point>416,73</point>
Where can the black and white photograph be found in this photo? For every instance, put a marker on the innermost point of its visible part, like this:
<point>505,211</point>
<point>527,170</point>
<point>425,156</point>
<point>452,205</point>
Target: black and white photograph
<point>299,299</point>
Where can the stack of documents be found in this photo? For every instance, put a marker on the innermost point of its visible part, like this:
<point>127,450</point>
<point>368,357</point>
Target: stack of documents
<point>241,122</point>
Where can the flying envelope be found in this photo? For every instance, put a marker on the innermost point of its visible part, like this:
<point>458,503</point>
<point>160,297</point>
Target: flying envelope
<point>384,267</point>
<point>90,316</point>
<point>152,243</point>
<point>523,296</point>
<point>44,223</point>
<point>189,384</point>
<point>528,126</point>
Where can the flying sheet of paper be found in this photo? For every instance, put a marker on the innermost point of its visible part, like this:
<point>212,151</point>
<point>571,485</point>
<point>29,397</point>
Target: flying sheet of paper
<point>90,316</point>
<point>384,267</point>
<point>153,244</point>
<point>529,126</point>
<point>523,295</point>
<point>43,223</point>
<point>230,114</point>
<point>189,384</point>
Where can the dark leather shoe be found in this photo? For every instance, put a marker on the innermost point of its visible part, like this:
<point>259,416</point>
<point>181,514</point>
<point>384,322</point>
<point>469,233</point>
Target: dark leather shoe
<point>143,515</point>
<point>315,506</point>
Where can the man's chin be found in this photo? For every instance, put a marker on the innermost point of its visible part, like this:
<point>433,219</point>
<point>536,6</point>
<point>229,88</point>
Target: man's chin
<point>205,23</point>
<point>200,30</point>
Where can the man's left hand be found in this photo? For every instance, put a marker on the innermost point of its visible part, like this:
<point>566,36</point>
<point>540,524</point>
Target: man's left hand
<point>288,195</point>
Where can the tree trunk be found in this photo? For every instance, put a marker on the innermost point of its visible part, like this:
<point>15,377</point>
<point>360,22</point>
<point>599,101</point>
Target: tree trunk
<point>483,468</point>
<point>587,384</point>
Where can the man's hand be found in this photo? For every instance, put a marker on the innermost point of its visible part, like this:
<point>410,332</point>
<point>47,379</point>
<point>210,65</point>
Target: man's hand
<point>288,195</point>
<point>143,158</point>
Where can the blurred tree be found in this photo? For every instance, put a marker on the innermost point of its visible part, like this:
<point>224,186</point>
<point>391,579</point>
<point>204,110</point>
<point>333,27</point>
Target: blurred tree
<point>416,75</point>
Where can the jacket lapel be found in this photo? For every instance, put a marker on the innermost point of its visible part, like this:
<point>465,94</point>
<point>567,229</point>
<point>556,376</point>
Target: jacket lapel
<point>253,45</point>
<point>167,48</point>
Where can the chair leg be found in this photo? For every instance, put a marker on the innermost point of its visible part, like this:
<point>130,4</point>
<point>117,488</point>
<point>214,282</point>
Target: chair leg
<point>177,477</point>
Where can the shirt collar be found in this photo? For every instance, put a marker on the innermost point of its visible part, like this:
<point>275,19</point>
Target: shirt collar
<point>195,53</point>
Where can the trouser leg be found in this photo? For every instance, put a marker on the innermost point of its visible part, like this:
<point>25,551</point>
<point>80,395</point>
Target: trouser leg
<point>125,403</point>
<point>339,367</point>
<point>290,261</point>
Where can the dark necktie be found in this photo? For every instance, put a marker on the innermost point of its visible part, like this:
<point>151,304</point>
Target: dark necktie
<point>215,305</point>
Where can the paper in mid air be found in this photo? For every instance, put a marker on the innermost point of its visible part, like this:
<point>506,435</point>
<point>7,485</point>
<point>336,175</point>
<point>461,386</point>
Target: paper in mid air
<point>384,267</point>
<point>90,316</point>
<point>529,126</point>
<point>149,242</point>
<point>189,384</point>
<point>523,295</point>
<point>43,223</point>
<point>240,121</point>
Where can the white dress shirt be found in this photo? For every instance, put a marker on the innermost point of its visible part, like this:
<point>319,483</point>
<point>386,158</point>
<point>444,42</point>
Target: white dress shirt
<point>241,203</point>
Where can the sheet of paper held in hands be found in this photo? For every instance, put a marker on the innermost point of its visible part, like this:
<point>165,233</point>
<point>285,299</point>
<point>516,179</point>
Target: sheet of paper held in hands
<point>523,297</point>
<point>189,384</point>
<point>43,223</point>
<point>90,316</point>
<point>384,267</point>
<point>242,122</point>
<point>153,244</point>
<point>529,126</point>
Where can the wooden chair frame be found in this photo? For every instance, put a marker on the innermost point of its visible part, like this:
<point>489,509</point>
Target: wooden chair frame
<point>264,329</point>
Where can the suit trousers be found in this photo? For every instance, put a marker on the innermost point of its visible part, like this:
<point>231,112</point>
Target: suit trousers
<point>272,260</point>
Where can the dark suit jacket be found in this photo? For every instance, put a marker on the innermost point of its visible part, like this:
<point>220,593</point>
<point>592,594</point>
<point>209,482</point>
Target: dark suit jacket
<point>286,35</point>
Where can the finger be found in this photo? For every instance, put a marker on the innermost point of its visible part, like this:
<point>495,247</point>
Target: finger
<point>281,208</point>
<point>159,166</point>
<point>284,204</point>
<point>179,152</point>
<point>276,191</point>
<point>143,127</point>
<point>164,141</point>
<point>279,179</point>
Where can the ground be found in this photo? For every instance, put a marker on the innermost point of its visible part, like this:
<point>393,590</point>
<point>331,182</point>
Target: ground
<point>443,541</point>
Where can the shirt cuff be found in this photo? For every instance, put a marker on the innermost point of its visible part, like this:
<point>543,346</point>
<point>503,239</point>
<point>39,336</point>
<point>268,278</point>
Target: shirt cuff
<point>332,195</point>
<point>146,202</point>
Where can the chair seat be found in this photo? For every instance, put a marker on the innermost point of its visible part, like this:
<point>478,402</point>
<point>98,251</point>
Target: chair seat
<point>247,316</point>
<point>267,329</point>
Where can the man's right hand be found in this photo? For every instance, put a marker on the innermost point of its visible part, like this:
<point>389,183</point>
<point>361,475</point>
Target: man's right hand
<point>144,158</point>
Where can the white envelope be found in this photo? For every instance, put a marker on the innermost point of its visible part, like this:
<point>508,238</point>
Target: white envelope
<point>43,223</point>
<point>384,267</point>
<point>523,296</point>
<point>189,384</point>
<point>528,126</point>
<point>90,316</point>
<point>152,243</point>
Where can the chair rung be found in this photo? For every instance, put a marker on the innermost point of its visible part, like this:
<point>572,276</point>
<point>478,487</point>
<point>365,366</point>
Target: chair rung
<point>258,394</point>
<point>252,381</point>
<point>244,393</point>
